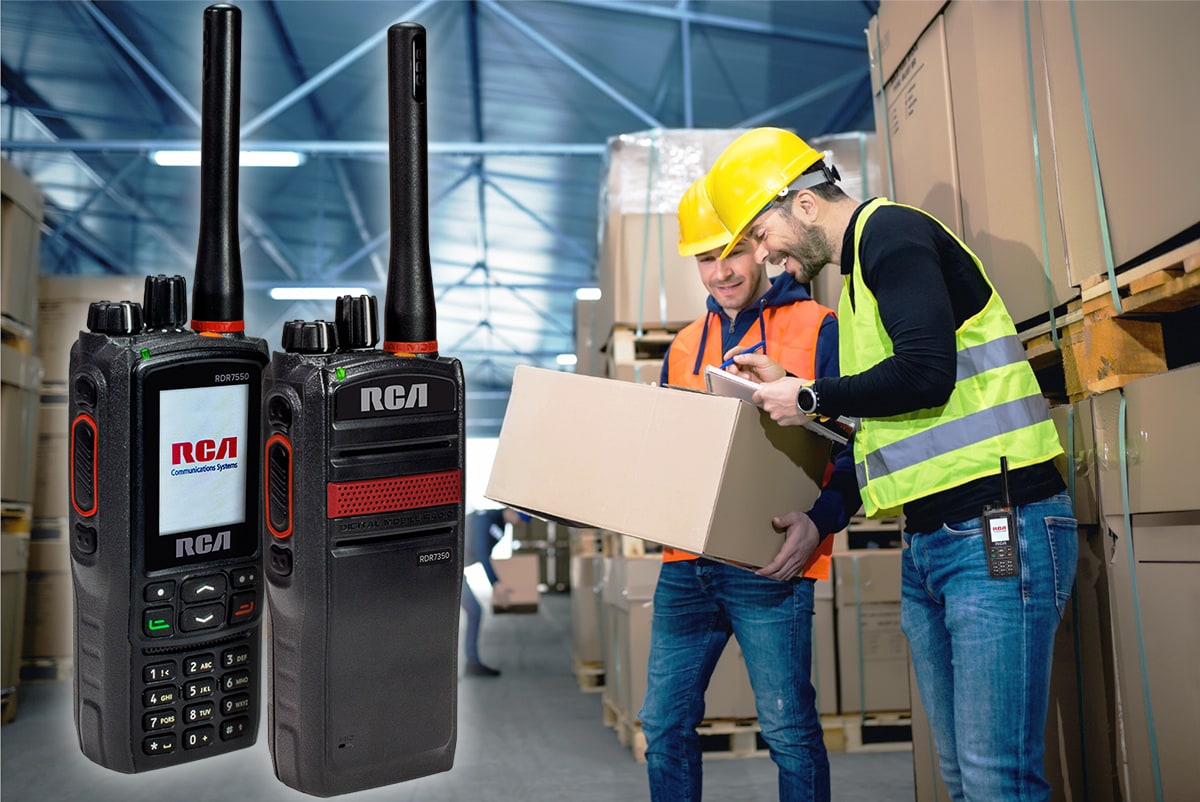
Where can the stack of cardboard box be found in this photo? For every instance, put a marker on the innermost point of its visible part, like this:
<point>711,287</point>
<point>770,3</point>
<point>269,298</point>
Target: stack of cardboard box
<point>21,209</point>
<point>1054,139</point>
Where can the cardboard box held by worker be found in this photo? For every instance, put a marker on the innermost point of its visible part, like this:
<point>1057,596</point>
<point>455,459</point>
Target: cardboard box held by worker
<point>694,471</point>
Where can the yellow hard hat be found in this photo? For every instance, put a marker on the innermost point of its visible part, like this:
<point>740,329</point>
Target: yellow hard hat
<point>700,229</point>
<point>751,172</point>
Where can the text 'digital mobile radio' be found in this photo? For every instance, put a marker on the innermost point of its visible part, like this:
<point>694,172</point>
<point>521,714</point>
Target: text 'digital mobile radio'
<point>164,486</point>
<point>363,456</point>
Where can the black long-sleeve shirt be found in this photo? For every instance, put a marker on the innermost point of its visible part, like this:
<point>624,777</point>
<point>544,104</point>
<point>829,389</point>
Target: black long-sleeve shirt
<point>925,285</point>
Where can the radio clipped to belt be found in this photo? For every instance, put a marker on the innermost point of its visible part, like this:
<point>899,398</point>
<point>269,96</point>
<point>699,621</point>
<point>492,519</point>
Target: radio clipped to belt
<point>1000,532</point>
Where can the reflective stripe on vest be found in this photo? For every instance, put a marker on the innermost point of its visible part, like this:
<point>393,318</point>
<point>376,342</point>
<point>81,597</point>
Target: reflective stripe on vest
<point>996,408</point>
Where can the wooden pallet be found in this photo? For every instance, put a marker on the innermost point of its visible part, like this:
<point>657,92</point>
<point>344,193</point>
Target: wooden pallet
<point>8,705</point>
<point>1100,349</point>
<point>720,739</point>
<point>16,519</point>
<point>1166,283</point>
<point>16,334</point>
<point>46,669</point>
<point>627,345</point>
<point>590,676</point>
<point>870,732</point>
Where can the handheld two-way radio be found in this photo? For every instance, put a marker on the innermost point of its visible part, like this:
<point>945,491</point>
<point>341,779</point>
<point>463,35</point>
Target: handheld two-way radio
<point>1000,532</point>
<point>164,488</point>
<point>364,485</point>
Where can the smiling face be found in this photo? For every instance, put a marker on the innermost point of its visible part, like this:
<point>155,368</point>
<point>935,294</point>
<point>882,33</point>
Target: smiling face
<point>736,281</point>
<point>778,238</point>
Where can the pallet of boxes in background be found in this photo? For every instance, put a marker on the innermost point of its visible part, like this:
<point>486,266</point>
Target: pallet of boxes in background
<point>14,561</point>
<point>636,355</point>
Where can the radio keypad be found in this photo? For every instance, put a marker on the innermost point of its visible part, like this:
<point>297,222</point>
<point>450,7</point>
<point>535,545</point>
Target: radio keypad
<point>189,701</point>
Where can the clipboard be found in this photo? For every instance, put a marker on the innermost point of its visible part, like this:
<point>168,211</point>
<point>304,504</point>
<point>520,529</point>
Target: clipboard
<point>720,382</point>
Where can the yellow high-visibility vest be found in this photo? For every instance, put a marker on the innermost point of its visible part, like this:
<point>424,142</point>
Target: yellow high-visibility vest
<point>995,410</point>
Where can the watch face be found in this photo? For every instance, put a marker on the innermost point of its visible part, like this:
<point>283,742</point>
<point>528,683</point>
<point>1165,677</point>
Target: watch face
<point>806,399</point>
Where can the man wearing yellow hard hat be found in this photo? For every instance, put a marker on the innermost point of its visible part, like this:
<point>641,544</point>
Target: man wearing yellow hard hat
<point>932,367</point>
<point>699,603</point>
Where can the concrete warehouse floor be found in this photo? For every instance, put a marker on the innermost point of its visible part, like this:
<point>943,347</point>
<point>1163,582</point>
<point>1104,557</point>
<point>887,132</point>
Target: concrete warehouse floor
<point>528,735</point>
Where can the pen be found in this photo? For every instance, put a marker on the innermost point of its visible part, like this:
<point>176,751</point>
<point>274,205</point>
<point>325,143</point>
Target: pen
<point>761,345</point>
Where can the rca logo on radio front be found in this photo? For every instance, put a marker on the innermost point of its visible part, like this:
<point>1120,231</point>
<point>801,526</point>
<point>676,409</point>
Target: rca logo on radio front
<point>395,396</point>
<point>382,397</point>
<point>202,544</point>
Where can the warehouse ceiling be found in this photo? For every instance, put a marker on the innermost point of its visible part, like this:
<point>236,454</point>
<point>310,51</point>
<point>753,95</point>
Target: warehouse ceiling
<point>523,97</point>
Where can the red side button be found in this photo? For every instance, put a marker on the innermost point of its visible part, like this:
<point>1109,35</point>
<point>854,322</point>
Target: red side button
<point>278,478</point>
<point>84,438</point>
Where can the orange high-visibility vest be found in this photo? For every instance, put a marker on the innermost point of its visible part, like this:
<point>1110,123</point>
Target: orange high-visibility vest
<point>791,332</point>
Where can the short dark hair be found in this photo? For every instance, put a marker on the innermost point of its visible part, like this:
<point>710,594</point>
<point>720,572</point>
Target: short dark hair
<point>828,191</point>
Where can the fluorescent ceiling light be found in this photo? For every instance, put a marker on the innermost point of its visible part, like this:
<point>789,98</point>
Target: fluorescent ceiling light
<point>315,293</point>
<point>247,158</point>
<point>587,294</point>
<point>566,360</point>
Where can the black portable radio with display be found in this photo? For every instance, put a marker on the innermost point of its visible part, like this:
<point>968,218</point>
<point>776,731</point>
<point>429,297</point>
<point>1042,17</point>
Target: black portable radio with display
<point>165,492</point>
<point>363,456</point>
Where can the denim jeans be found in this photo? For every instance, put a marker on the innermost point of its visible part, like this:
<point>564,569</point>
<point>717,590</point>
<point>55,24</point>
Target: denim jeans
<point>470,605</point>
<point>982,648</point>
<point>697,605</point>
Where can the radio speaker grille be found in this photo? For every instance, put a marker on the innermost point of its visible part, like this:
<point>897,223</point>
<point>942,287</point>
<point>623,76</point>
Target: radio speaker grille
<point>371,496</point>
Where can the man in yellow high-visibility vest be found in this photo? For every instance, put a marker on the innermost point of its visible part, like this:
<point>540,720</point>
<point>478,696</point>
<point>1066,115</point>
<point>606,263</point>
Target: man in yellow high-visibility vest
<point>932,367</point>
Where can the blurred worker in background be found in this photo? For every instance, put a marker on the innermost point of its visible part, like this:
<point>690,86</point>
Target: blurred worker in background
<point>932,367</point>
<point>484,529</point>
<point>699,603</point>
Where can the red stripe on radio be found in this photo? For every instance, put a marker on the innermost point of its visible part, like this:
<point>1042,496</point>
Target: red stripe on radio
<point>218,326</point>
<point>370,496</point>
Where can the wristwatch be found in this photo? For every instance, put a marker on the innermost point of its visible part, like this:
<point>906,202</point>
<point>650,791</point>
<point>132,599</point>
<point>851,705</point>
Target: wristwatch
<point>807,400</point>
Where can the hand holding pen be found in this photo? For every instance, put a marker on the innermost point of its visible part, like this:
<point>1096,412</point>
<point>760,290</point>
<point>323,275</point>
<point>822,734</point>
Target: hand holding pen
<point>733,353</point>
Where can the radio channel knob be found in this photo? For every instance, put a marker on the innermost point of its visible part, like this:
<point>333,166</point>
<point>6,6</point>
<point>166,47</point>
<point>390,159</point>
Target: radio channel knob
<point>165,302</point>
<point>309,337</point>
<point>119,318</point>
<point>357,322</point>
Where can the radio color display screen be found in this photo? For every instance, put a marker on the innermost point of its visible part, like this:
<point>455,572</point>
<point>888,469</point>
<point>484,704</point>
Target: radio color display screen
<point>202,457</point>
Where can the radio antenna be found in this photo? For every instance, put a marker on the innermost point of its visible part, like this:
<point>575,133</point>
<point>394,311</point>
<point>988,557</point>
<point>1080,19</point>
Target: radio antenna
<point>410,319</point>
<point>217,302</point>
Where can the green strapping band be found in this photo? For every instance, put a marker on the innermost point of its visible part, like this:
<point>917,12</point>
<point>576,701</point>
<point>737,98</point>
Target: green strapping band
<point>1037,166</point>
<point>1091,135</point>
<point>1079,701</point>
<point>1137,612</point>
<point>887,133</point>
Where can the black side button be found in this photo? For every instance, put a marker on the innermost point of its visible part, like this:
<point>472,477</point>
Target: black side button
<point>279,486</point>
<point>83,465</point>
<point>83,538</point>
<point>279,562</point>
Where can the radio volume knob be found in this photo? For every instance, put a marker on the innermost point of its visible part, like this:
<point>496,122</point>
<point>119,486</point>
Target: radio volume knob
<point>120,318</point>
<point>357,322</point>
<point>309,337</point>
<point>165,302</point>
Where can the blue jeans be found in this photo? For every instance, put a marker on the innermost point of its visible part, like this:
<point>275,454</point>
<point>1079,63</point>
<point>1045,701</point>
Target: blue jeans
<point>982,648</point>
<point>470,606</point>
<point>697,605</point>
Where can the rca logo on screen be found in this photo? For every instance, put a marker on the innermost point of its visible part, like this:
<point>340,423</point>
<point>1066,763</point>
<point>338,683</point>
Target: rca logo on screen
<point>203,451</point>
